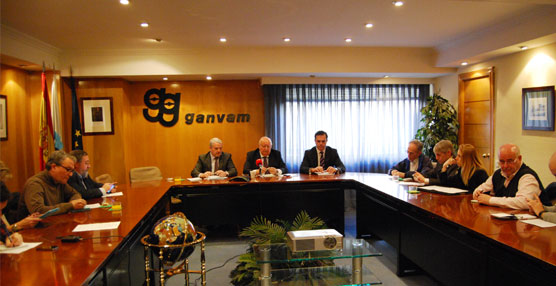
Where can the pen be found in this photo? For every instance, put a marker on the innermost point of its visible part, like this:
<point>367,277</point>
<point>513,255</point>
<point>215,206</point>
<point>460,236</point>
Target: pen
<point>8,233</point>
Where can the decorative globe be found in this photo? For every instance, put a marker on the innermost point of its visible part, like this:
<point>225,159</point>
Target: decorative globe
<point>174,229</point>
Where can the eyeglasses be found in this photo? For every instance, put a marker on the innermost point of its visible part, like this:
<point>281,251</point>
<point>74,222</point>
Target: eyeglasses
<point>69,170</point>
<point>510,161</point>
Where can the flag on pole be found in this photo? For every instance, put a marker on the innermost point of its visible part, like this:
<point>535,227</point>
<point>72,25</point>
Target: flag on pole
<point>76,138</point>
<point>56,122</point>
<point>46,132</point>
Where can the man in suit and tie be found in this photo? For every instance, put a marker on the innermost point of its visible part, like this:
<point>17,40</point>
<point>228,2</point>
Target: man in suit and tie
<point>215,162</point>
<point>416,161</point>
<point>322,158</point>
<point>271,159</point>
<point>82,182</point>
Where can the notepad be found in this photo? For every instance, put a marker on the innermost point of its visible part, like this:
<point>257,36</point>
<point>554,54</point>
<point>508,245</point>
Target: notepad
<point>443,190</point>
<point>194,179</point>
<point>539,222</point>
<point>113,195</point>
<point>215,178</point>
<point>18,249</point>
<point>96,226</point>
<point>324,174</point>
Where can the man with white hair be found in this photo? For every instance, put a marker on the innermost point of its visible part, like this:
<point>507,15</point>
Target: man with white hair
<point>511,185</point>
<point>271,160</point>
<point>215,162</point>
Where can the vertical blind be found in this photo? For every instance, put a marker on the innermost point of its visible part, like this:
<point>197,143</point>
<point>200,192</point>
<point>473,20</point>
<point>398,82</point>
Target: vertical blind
<point>369,125</point>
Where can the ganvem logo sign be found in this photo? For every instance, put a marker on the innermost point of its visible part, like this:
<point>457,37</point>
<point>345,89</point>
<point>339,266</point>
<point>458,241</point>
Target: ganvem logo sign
<point>169,104</point>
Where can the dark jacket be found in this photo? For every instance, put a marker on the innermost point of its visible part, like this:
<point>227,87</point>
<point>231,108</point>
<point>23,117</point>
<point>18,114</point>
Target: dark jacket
<point>452,178</point>
<point>331,158</point>
<point>89,189</point>
<point>425,167</point>
<point>274,160</point>
<point>510,191</point>
<point>204,164</point>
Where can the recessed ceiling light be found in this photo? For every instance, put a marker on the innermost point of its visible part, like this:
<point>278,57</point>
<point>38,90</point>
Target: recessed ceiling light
<point>286,39</point>
<point>348,40</point>
<point>523,48</point>
<point>386,76</point>
<point>368,25</point>
<point>164,78</point>
<point>124,2</point>
<point>223,40</point>
<point>209,77</point>
<point>157,40</point>
<point>464,63</point>
<point>144,24</point>
<point>397,3</point>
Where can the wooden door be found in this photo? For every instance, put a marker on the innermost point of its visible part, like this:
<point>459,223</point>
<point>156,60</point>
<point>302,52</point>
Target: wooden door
<point>476,113</point>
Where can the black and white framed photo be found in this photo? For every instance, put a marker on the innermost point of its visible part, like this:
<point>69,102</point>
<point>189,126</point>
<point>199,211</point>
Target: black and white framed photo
<point>97,114</point>
<point>538,108</point>
<point>3,117</point>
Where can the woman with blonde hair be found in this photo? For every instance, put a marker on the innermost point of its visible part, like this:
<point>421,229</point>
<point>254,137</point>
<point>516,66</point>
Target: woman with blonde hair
<point>469,173</point>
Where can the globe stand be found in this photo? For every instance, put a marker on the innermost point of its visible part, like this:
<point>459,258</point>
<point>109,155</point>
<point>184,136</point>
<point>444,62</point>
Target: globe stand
<point>182,268</point>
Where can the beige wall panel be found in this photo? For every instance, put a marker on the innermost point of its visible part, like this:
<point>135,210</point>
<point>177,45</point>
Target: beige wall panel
<point>477,112</point>
<point>478,89</point>
<point>478,134</point>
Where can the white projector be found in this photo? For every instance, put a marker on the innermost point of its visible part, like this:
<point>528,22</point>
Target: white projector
<point>311,240</point>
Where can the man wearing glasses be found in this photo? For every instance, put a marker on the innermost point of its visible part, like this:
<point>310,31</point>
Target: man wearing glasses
<point>49,189</point>
<point>511,185</point>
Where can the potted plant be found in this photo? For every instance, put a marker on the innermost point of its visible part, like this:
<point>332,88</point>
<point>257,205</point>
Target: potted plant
<point>440,121</point>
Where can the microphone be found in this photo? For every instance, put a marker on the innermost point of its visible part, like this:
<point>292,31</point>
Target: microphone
<point>259,163</point>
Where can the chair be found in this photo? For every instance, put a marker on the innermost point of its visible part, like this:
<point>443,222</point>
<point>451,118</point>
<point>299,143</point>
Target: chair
<point>104,178</point>
<point>143,174</point>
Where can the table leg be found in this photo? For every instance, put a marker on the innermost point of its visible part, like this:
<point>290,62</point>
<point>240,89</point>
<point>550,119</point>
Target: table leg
<point>265,277</point>
<point>357,270</point>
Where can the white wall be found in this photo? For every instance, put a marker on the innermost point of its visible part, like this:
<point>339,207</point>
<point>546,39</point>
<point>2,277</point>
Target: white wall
<point>530,68</point>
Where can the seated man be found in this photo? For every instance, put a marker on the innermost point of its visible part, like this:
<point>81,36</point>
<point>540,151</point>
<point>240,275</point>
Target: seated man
<point>215,162</point>
<point>82,182</point>
<point>272,162</point>
<point>545,212</point>
<point>443,150</point>
<point>321,158</point>
<point>49,189</point>
<point>511,185</point>
<point>416,161</point>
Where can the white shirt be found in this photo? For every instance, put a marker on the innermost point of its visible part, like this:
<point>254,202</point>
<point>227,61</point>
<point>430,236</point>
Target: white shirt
<point>414,165</point>
<point>318,156</point>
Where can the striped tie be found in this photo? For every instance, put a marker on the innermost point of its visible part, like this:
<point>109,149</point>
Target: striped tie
<point>321,159</point>
<point>215,164</point>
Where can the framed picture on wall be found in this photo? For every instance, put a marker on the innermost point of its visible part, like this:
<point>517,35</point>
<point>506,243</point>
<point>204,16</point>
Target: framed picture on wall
<point>3,117</point>
<point>538,108</point>
<point>97,114</point>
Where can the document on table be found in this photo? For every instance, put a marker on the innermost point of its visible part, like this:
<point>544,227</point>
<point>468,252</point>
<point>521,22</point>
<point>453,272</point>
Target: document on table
<point>325,174</point>
<point>512,216</point>
<point>539,222</point>
<point>96,226</point>
<point>215,178</point>
<point>92,206</point>
<point>412,184</point>
<point>113,195</point>
<point>18,249</point>
<point>443,190</point>
<point>194,179</point>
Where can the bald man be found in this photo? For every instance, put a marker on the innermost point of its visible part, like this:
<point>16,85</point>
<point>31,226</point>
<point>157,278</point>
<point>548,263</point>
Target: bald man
<point>511,185</point>
<point>547,213</point>
<point>272,162</point>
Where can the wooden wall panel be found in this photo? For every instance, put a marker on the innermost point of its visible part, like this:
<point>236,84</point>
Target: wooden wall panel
<point>20,152</point>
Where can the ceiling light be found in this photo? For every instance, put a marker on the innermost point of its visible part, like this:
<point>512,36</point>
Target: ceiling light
<point>348,40</point>
<point>223,40</point>
<point>386,76</point>
<point>157,40</point>
<point>464,63</point>
<point>523,48</point>
<point>144,24</point>
<point>164,78</point>
<point>368,25</point>
<point>124,2</point>
<point>209,77</point>
<point>397,3</point>
<point>286,39</point>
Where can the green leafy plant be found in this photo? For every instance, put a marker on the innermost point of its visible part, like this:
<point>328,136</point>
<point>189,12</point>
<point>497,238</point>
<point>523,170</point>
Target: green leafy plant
<point>440,121</point>
<point>263,231</point>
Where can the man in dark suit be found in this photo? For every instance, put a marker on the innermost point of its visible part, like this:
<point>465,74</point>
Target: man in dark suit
<point>321,158</point>
<point>215,162</point>
<point>443,150</point>
<point>272,162</point>
<point>416,161</point>
<point>82,182</point>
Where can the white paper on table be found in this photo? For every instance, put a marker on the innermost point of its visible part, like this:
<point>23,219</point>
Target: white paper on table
<point>215,178</point>
<point>324,174</point>
<point>92,206</point>
<point>443,190</point>
<point>113,195</point>
<point>412,184</point>
<point>194,179</point>
<point>96,226</point>
<point>539,222</point>
<point>268,175</point>
<point>525,216</point>
<point>18,249</point>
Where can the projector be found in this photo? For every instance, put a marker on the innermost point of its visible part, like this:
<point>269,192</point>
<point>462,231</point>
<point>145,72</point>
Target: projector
<point>311,240</point>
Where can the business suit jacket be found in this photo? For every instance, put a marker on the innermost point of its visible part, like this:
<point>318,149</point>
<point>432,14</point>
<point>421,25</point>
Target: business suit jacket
<point>331,158</point>
<point>204,164</point>
<point>90,190</point>
<point>274,160</point>
<point>425,167</point>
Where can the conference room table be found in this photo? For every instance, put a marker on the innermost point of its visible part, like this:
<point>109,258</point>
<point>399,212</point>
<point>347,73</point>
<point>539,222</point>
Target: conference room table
<point>455,241</point>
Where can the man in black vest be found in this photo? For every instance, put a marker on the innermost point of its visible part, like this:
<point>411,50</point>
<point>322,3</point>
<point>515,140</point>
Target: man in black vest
<point>511,185</point>
<point>82,182</point>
